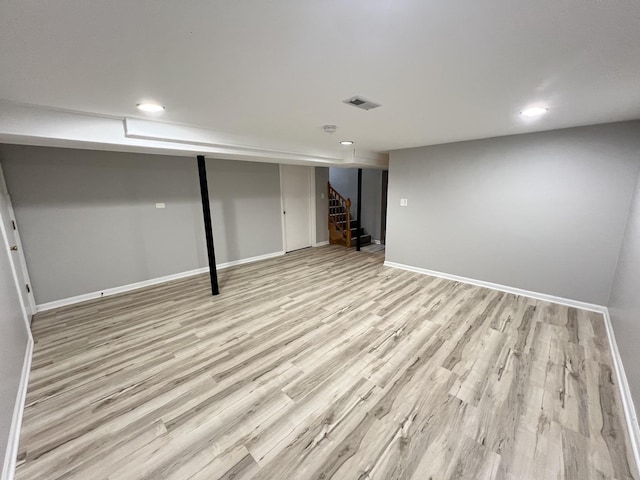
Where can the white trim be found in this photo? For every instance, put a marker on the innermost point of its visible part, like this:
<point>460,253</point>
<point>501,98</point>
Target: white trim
<point>231,143</point>
<point>31,308</point>
<point>146,283</point>
<point>623,385</point>
<point>116,290</point>
<point>242,261</point>
<point>625,392</point>
<point>321,244</point>
<point>9,467</point>
<point>25,306</point>
<point>503,288</point>
<point>14,273</point>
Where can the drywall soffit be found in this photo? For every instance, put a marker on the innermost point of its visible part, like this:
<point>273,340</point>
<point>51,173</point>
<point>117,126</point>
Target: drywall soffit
<point>34,125</point>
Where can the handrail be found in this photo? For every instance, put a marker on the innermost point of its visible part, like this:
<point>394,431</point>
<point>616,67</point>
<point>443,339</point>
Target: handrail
<point>335,193</point>
<point>340,215</point>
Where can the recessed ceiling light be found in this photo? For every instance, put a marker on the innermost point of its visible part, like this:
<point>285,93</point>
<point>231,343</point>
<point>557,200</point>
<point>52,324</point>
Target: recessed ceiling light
<point>346,142</point>
<point>151,107</point>
<point>534,111</point>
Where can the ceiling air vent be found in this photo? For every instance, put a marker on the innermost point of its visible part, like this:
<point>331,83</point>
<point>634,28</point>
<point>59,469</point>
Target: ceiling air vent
<point>361,102</point>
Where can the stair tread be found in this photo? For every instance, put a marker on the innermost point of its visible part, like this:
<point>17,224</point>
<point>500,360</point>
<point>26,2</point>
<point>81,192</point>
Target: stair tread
<point>364,240</point>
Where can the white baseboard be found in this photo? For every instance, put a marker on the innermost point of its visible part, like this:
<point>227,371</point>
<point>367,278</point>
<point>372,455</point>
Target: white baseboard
<point>116,290</point>
<point>625,392</point>
<point>146,283</point>
<point>623,385</point>
<point>326,242</point>
<point>503,288</point>
<point>233,263</point>
<point>9,467</point>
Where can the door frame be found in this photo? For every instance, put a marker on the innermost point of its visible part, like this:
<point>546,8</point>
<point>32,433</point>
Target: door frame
<point>311,175</point>
<point>29,309</point>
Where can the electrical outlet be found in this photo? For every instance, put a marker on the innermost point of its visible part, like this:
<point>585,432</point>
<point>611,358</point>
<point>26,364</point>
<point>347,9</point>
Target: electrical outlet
<point>403,202</point>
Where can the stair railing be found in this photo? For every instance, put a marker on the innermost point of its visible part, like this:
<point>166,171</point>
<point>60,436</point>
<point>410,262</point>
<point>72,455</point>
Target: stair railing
<point>339,214</point>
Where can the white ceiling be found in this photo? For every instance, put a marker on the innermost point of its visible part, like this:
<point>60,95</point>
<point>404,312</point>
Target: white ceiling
<point>279,69</point>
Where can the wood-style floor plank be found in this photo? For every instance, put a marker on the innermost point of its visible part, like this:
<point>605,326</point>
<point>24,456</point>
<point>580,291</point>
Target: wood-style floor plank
<point>322,364</point>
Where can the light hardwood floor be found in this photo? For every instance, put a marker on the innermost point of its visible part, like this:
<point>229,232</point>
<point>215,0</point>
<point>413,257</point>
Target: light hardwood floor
<point>322,364</point>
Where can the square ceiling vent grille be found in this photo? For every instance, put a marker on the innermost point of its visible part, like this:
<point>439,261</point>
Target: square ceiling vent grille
<point>361,102</point>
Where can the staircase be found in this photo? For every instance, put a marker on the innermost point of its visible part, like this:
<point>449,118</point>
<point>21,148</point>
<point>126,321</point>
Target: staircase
<point>343,230</point>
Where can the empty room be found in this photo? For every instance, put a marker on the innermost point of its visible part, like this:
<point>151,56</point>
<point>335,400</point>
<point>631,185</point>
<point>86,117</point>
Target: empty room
<point>294,240</point>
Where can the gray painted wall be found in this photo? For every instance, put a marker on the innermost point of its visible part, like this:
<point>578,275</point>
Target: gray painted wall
<point>88,220</point>
<point>322,204</point>
<point>544,212</point>
<point>624,304</point>
<point>345,181</point>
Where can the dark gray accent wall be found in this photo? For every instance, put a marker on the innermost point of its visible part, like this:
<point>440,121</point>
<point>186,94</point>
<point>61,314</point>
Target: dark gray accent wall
<point>372,201</point>
<point>624,304</point>
<point>345,181</point>
<point>88,219</point>
<point>544,212</point>
<point>322,204</point>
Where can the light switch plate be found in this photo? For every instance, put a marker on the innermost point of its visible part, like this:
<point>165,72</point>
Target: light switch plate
<point>403,202</point>
<point>159,205</point>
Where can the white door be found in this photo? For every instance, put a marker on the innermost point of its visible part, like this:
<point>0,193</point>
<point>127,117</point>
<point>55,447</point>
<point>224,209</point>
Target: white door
<point>296,205</point>
<point>18,263</point>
